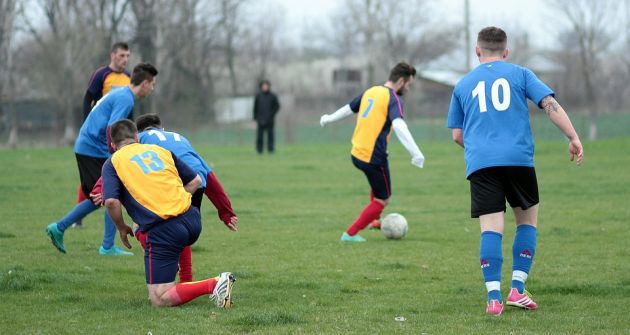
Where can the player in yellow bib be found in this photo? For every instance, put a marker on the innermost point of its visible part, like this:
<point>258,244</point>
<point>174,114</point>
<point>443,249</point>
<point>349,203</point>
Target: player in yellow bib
<point>156,187</point>
<point>378,109</point>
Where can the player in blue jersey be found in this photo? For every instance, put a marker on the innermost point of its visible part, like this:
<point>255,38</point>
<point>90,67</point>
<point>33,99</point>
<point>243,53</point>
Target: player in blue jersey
<point>378,109</point>
<point>103,80</point>
<point>156,187</point>
<point>489,118</point>
<point>92,148</point>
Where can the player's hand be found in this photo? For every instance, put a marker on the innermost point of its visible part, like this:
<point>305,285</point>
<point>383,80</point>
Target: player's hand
<point>324,120</point>
<point>232,223</point>
<point>418,161</point>
<point>126,230</point>
<point>97,199</point>
<point>576,152</point>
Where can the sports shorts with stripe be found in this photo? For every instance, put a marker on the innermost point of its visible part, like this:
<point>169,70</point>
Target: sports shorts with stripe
<point>377,176</point>
<point>165,242</point>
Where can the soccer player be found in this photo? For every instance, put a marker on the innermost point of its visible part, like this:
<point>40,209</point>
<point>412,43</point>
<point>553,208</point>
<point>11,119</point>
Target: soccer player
<point>92,149</point>
<point>489,118</point>
<point>150,126</point>
<point>103,80</point>
<point>378,109</point>
<point>155,188</point>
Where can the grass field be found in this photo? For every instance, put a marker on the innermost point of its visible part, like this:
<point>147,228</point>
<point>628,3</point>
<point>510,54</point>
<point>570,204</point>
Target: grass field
<point>295,277</point>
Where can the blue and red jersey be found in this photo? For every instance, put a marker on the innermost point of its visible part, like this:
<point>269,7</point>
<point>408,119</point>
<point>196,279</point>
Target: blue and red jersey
<point>376,108</point>
<point>149,182</point>
<point>105,79</point>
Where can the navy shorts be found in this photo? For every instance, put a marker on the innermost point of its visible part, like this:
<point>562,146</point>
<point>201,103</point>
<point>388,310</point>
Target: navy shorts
<point>377,176</point>
<point>165,242</point>
<point>490,187</point>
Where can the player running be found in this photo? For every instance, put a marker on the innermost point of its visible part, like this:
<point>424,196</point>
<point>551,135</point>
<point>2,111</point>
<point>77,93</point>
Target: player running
<point>489,118</point>
<point>92,149</point>
<point>156,188</point>
<point>378,109</point>
<point>103,80</point>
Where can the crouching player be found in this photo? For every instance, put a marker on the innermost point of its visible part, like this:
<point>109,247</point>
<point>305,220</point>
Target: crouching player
<point>155,187</point>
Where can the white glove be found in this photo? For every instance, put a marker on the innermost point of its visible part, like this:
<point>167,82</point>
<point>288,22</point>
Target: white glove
<point>324,120</point>
<point>418,161</point>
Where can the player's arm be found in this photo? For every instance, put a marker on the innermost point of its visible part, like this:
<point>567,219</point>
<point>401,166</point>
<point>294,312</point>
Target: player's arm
<point>93,92</point>
<point>343,112</point>
<point>561,120</point>
<point>111,194</point>
<point>340,114</point>
<point>88,103</point>
<point>405,137</point>
<point>458,136</point>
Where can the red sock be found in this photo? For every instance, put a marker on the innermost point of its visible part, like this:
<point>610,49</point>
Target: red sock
<point>185,292</point>
<point>80,195</point>
<point>215,192</point>
<point>185,265</point>
<point>370,213</point>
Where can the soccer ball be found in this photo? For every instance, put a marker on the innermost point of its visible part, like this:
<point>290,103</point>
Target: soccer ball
<point>394,226</point>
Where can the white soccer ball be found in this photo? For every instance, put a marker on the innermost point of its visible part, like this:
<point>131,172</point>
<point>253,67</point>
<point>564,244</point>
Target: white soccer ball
<point>394,226</point>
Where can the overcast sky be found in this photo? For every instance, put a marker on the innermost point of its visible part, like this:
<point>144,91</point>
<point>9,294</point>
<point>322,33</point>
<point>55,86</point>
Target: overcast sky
<point>530,15</point>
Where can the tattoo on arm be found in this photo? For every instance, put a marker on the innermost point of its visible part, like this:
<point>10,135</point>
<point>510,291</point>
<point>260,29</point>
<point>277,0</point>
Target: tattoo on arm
<point>549,104</point>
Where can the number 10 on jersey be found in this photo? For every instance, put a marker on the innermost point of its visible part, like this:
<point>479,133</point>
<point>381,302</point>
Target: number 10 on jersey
<point>499,84</point>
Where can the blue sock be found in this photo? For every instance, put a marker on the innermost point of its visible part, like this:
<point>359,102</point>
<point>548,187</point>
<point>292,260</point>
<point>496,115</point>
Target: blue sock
<point>79,211</point>
<point>491,259</point>
<point>523,251</point>
<point>109,232</point>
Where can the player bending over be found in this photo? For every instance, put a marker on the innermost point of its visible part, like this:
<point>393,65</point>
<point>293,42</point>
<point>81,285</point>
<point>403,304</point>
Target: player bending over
<point>151,132</point>
<point>378,109</point>
<point>489,118</point>
<point>156,188</point>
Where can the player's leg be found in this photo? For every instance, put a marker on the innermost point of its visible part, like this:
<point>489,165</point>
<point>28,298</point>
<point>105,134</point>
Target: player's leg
<point>488,204</point>
<point>376,224</point>
<point>215,192</point>
<point>379,179</point>
<point>165,242</point>
<point>108,248</point>
<point>89,172</point>
<point>523,197</point>
<point>80,198</point>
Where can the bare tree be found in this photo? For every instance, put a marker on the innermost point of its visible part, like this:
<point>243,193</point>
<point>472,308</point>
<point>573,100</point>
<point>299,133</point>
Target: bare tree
<point>230,21</point>
<point>390,31</point>
<point>588,23</point>
<point>8,10</point>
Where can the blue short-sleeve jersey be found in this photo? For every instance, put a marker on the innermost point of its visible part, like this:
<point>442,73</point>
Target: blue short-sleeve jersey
<point>114,106</point>
<point>178,145</point>
<point>490,106</point>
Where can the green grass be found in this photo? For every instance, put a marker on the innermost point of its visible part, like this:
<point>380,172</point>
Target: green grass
<point>295,277</point>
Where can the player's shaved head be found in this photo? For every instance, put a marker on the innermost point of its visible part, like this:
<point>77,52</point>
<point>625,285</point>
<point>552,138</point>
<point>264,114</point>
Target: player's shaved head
<point>492,40</point>
<point>150,120</point>
<point>122,131</point>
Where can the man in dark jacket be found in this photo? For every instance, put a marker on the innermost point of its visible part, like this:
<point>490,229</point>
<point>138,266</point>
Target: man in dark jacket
<point>266,106</point>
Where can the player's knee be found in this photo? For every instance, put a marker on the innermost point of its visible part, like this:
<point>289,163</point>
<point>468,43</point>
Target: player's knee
<point>383,202</point>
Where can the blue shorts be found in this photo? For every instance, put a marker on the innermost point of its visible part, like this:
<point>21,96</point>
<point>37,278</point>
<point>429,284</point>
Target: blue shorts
<point>377,176</point>
<point>165,242</point>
